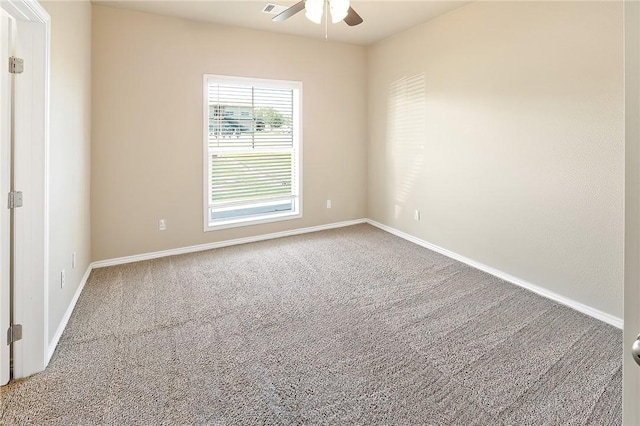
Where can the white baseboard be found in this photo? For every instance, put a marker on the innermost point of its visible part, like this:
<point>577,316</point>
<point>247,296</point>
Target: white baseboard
<point>219,244</point>
<point>65,319</point>
<point>595,313</point>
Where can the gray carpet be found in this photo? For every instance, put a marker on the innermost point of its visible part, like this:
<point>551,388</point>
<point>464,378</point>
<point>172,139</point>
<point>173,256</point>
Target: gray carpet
<point>349,326</point>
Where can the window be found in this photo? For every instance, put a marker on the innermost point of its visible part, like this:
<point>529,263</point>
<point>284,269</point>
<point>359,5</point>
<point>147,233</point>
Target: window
<point>252,148</point>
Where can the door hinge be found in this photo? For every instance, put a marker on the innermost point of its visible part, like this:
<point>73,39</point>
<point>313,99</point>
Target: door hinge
<point>16,65</point>
<point>14,333</point>
<point>15,199</point>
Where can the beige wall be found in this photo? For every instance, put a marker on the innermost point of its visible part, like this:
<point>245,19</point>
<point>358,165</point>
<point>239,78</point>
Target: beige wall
<point>70,158</point>
<point>514,152</point>
<point>631,372</point>
<point>147,126</point>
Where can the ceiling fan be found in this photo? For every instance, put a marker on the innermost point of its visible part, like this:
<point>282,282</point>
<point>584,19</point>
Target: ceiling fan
<point>340,10</point>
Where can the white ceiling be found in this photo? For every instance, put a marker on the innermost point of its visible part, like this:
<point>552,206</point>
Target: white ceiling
<point>381,18</point>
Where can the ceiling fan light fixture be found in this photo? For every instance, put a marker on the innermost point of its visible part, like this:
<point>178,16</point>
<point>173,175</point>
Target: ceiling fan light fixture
<point>339,10</point>
<point>313,10</point>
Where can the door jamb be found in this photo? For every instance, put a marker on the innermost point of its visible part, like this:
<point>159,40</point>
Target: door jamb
<point>30,355</point>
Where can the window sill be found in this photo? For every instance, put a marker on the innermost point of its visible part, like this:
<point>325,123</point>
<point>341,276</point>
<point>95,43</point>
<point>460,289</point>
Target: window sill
<point>248,221</point>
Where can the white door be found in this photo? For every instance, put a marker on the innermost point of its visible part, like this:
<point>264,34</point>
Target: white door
<point>6,48</point>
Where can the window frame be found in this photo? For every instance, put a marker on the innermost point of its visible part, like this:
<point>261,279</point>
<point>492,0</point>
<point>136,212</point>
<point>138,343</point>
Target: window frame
<point>297,153</point>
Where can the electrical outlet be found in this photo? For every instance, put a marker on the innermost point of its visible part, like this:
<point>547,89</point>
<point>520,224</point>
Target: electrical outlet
<point>328,204</point>
<point>62,279</point>
<point>73,260</point>
<point>162,225</point>
<point>416,215</point>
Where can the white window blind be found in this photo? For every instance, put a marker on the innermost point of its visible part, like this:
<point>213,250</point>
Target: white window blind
<point>252,138</point>
<point>238,177</point>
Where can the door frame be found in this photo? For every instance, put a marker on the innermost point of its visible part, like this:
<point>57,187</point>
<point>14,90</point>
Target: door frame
<point>31,129</point>
<point>6,28</point>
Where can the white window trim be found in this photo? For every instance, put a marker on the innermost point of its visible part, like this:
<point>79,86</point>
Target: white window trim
<point>297,135</point>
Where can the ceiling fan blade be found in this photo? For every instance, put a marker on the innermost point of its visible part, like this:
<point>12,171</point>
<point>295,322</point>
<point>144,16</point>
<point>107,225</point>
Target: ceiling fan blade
<point>352,18</point>
<point>283,16</point>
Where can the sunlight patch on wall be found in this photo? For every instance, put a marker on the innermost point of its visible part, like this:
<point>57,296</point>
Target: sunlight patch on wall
<point>406,126</point>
